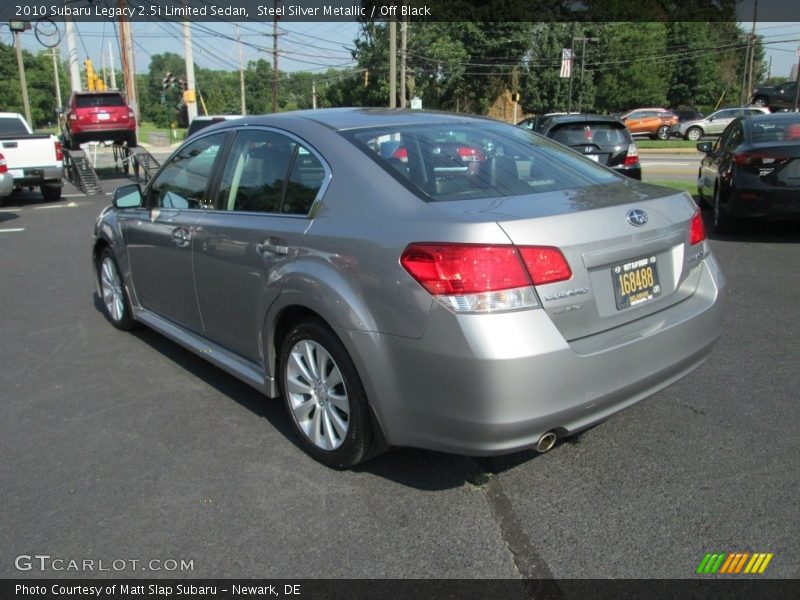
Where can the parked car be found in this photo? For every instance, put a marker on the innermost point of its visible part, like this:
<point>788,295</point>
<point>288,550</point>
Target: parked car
<point>600,138</point>
<point>6,180</point>
<point>31,159</point>
<point>715,123</point>
<point>535,123</point>
<point>203,121</point>
<point>98,117</point>
<point>655,123</point>
<point>778,97</point>
<point>753,170</point>
<point>418,302</point>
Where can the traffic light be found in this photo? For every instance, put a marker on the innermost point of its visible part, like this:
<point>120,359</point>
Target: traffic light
<point>182,85</point>
<point>515,97</point>
<point>366,77</point>
<point>168,82</point>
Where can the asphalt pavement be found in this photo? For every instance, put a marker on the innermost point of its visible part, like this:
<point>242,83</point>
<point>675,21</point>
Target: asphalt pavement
<point>126,447</point>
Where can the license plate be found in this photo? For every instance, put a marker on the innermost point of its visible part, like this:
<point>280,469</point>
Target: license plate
<point>103,116</point>
<point>635,282</point>
<point>593,157</point>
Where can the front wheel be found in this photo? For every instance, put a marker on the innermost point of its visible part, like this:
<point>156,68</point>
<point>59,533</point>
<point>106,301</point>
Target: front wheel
<point>115,301</point>
<point>325,397</point>
<point>722,222</point>
<point>694,134</point>
<point>663,132</point>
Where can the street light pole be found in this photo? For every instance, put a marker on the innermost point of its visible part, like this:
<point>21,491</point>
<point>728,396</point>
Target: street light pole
<point>23,82</point>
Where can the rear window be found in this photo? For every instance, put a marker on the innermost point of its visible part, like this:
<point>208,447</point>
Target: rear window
<point>90,100</point>
<point>602,134</point>
<point>775,130</point>
<point>12,126</point>
<point>455,162</point>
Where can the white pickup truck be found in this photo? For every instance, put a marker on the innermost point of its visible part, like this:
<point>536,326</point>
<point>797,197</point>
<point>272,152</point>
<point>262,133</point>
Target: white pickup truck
<point>31,159</point>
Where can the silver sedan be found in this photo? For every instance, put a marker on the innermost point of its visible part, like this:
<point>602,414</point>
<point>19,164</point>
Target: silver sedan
<point>413,279</point>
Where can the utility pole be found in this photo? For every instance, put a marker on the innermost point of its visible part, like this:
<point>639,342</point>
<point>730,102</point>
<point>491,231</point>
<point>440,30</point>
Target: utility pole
<point>17,28</point>
<point>314,95</point>
<point>128,65</point>
<point>189,96</point>
<point>583,41</point>
<point>752,51</point>
<point>571,68</point>
<point>393,63</point>
<point>72,54</point>
<point>275,60</point>
<point>55,78</point>
<point>111,64</point>
<point>403,46</point>
<point>241,72</point>
<point>797,83</point>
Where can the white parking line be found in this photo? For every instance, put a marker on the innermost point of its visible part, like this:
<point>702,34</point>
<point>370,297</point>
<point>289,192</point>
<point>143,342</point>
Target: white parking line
<point>12,230</point>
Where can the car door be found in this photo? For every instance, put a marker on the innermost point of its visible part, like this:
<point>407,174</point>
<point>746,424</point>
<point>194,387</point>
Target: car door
<point>158,236</point>
<point>634,121</point>
<point>719,121</point>
<point>268,189</point>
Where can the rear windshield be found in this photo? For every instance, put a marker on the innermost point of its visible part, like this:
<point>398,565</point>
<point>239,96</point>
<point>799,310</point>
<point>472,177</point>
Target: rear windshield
<point>601,134</point>
<point>12,126</point>
<point>456,162</point>
<point>89,100</point>
<point>775,130</point>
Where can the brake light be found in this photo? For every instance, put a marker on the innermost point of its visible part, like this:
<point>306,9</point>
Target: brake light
<point>470,154</point>
<point>632,158</point>
<point>484,278</point>
<point>130,114</point>
<point>755,159</point>
<point>697,229</point>
<point>545,264</point>
<point>3,164</point>
<point>59,152</point>
<point>73,117</point>
<point>401,154</point>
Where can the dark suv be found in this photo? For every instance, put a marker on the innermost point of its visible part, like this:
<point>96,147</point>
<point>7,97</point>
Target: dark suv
<point>603,139</point>
<point>98,117</point>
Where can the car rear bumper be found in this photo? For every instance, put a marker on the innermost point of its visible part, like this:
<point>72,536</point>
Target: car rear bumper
<point>38,176</point>
<point>493,384</point>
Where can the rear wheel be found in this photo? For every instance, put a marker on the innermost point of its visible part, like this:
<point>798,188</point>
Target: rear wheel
<point>694,134</point>
<point>112,290</point>
<point>131,140</point>
<point>51,193</point>
<point>324,396</point>
<point>663,132</point>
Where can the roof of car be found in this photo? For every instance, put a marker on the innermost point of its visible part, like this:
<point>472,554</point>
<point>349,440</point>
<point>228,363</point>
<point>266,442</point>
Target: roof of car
<point>583,118</point>
<point>341,119</point>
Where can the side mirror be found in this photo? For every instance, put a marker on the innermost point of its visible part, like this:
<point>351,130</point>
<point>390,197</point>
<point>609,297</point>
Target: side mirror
<point>705,147</point>
<point>127,196</point>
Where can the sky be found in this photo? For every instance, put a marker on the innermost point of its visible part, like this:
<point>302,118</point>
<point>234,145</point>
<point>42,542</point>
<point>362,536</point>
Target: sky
<point>302,46</point>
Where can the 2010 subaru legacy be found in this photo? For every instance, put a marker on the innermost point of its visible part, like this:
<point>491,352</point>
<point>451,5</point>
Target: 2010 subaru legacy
<point>403,278</point>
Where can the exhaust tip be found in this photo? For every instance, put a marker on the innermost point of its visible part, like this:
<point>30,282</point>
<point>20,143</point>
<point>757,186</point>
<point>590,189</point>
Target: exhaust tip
<point>546,442</point>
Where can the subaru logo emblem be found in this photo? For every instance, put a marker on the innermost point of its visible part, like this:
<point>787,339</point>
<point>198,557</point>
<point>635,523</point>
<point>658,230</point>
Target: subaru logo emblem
<point>637,217</point>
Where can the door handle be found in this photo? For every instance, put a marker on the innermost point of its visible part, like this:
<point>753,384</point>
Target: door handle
<point>181,237</point>
<point>272,246</point>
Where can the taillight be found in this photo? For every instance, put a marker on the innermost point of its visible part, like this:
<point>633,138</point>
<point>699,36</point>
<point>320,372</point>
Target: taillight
<point>401,154</point>
<point>59,152</point>
<point>697,230</point>
<point>632,158</point>
<point>756,159</point>
<point>470,154</point>
<point>483,278</point>
<point>545,264</point>
<point>3,164</point>
<point>130,114</point>
<point>73,117</point>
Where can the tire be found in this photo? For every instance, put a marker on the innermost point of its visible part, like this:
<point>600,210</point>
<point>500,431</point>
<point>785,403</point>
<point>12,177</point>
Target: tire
<point>722,222</point>
<point>694,134</point>
<point>324,396</point>
<point>702,201</point>
<point>113,296</point>
<point>130,139</point>
<point>51,193</point>
<point>663,132</point>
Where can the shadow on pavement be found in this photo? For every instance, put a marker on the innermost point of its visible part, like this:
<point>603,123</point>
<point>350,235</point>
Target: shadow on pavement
<point>761,231</point>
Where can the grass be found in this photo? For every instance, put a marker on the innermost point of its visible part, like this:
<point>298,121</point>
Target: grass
<point>666,144</point>
<point>684,186</point>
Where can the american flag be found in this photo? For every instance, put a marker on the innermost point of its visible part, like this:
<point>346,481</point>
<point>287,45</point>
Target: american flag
<point>566,62</point>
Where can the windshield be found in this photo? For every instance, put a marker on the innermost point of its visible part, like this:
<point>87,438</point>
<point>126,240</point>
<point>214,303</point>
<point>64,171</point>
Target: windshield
<point>88,100</point>
<point>455,162</point>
